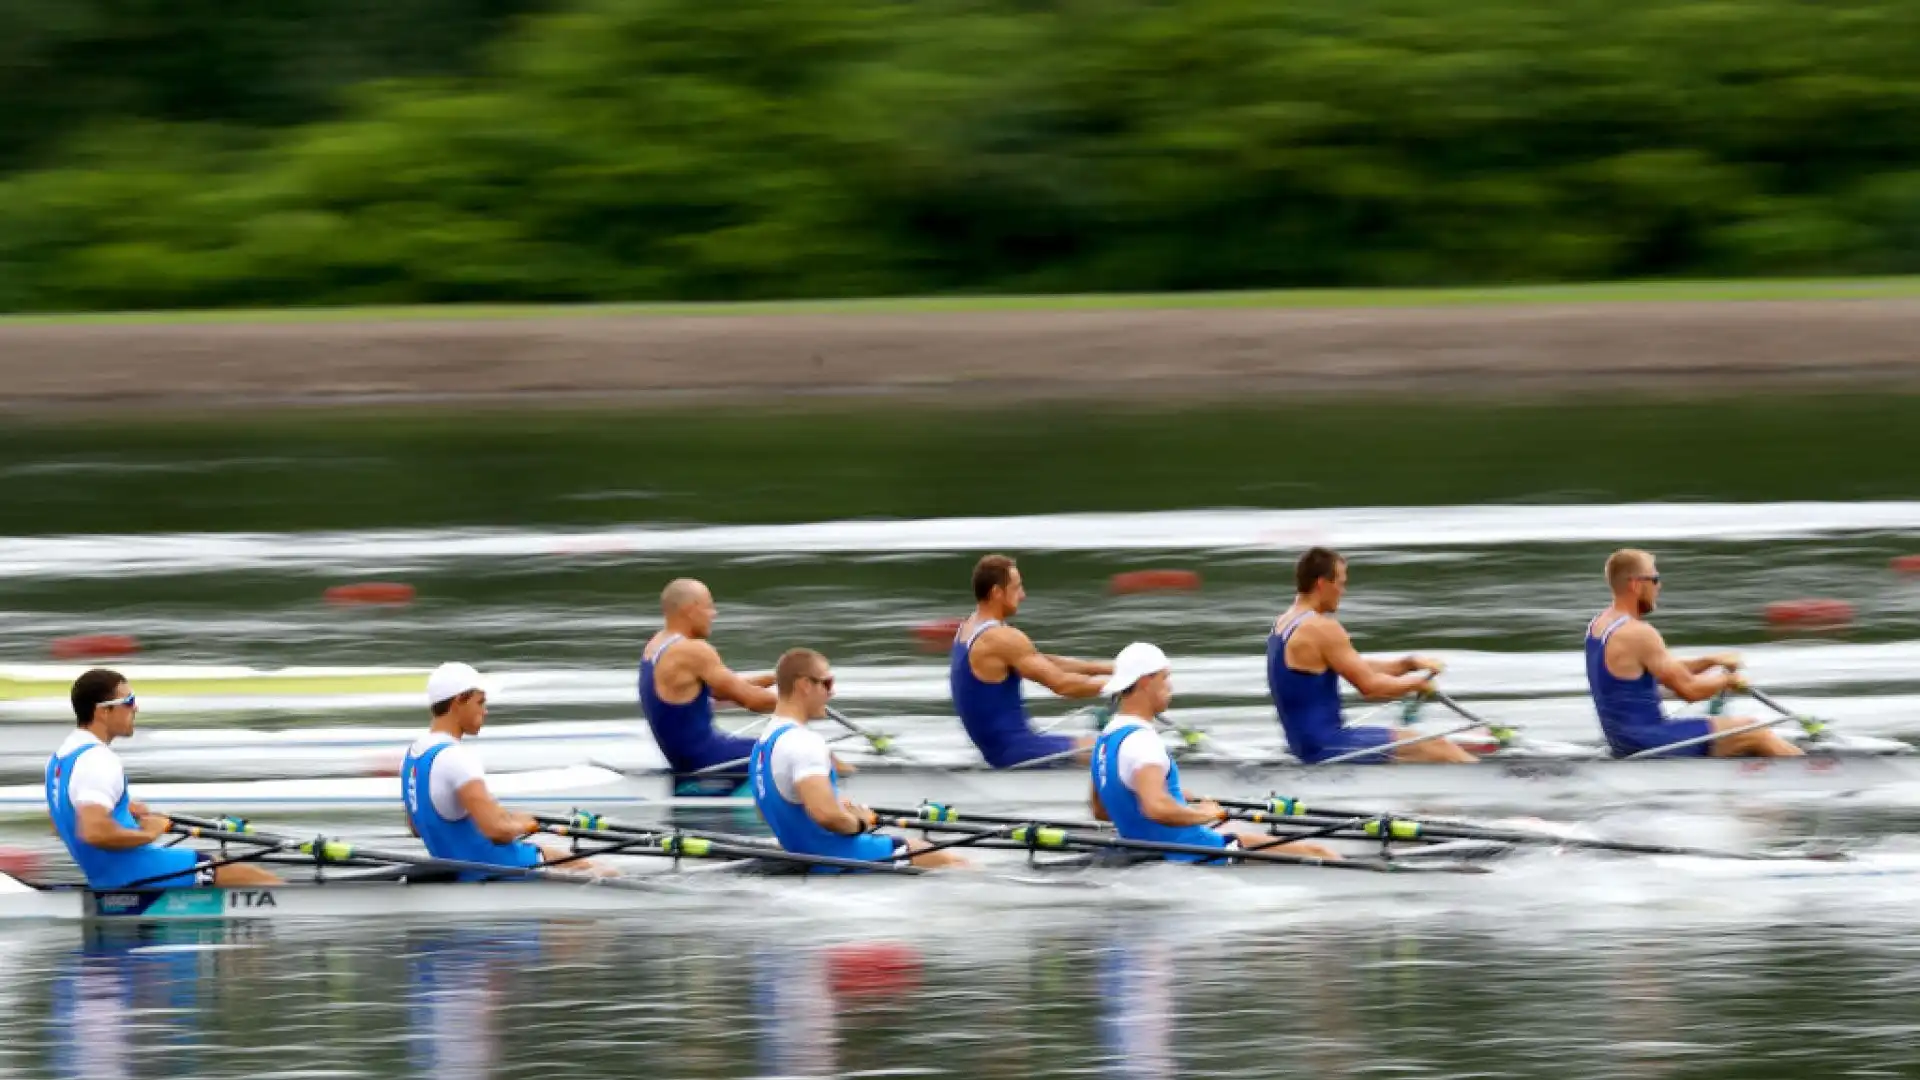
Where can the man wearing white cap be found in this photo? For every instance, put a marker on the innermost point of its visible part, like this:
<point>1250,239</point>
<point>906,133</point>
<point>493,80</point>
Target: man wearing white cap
<point>445,786</point>
<point>1136,785</point>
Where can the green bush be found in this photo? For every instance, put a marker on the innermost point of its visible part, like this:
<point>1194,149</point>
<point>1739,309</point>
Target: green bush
<point>680,149</point>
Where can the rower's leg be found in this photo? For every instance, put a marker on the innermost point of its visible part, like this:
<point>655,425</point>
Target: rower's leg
<point>244,875</point>
<point>944,859</point>
<point>1433,751</point>
<point>1251,837</point>
<point>1764,742</point>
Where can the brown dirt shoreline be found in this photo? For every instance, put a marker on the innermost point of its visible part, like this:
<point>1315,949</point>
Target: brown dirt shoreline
<point>1691,348</point>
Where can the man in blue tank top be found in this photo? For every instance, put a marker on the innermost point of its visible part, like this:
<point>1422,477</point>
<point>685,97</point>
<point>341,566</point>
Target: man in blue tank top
<point>989,658</point>
<point>1309,652</point>
<point>797,788</point>
<point>112,838</point>
<point>444,786</point>
<point>681,674</point>
<point>1136,784</point>
<point>1628,661</point>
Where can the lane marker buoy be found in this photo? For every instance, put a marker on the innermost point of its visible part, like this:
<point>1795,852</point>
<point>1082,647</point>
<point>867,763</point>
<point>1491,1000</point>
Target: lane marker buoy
<point>1143,581</point>
<point>371,592</point>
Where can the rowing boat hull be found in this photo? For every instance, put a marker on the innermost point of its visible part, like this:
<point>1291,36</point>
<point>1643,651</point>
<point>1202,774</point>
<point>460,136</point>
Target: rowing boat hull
<point>1496,782</point>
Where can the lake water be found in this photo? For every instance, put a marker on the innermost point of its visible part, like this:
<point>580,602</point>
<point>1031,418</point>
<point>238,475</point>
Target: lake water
<point>548,574</point>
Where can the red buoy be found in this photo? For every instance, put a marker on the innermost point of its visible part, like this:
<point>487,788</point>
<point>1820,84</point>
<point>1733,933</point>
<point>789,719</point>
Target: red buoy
<point>873,968</point>
<point>937,634</point>
<point>1144,581</point>
<point>1817,614</point>
<point>371,592</point>
<point>93,646</point>
<point>1906,564</point>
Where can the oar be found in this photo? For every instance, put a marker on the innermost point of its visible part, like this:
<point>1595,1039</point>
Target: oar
<point>943,813</point>
<point>1815,728</point>
<point>327,850</point>
<point>1048,838</point>
<point>1397,827</point>
<point>702,847</point>
<point>881,742</point>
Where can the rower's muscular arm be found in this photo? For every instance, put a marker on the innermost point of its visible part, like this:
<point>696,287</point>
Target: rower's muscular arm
<point>1079,667</point>
<point>492,819</point>
<point>1337,651</point>
<point>826,810</point>
<point>97,828</point>
<point>1644,645</point>
<point>1013,648</point>
<point>1150,786</point>
<point>1094,804</point>
<point>704,663</point>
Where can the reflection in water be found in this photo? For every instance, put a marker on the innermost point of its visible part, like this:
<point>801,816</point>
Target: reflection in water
<point>794,1000</point>
<point>719,993</point>
<point>1137,981</point>
<point>127,1003</point>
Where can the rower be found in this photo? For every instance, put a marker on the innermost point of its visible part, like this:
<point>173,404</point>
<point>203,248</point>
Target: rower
<point>444,785</point>
<point>681,674</point>
<point>1136,784</point>
<point>797,788</point>
<point>989,658</point>
<point>1627,657</point>
<point>1308,652</point>
<point>110,836</point>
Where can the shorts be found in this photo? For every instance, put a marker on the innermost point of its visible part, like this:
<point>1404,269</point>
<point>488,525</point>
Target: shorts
<point>730,751</point>
<point>1632,740</point>
<point>195,874</point>
<point>1349,739</point>
<point>872,847</point>
<point>1029,746</point>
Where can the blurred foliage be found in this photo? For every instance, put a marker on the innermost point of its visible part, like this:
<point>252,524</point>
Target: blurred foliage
<point>681,149</point>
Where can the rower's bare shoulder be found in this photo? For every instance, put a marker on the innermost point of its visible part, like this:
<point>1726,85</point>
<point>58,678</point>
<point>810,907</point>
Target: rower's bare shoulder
<point>1005,641</point>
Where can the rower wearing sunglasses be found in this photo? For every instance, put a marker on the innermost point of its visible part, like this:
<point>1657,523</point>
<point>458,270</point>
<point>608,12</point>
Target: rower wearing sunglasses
<point>1628,662</point>
<point>797,788</point>
<point>112,838</point>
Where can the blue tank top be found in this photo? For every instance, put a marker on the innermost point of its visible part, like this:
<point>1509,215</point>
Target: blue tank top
<point>789,821</point>
<point>993,714</point>
<point>106,868</point>
<point>1308,704</point>
<point>1123,806</point>
<point>460,839</point>
<point>1623,704</point>
<point>680,730</point>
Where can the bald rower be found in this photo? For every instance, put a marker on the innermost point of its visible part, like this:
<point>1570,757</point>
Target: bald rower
<point>681,674</point>
<point>989,658</point>
<point>1628,662</point>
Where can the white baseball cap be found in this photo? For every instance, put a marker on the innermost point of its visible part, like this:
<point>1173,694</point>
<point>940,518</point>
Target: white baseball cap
<point>1135,662</point>
<point>452,680</point>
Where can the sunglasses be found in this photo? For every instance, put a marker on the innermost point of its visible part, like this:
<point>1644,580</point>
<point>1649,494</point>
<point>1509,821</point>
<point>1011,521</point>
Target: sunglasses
<point>1655,578</point>
<point>825,681</point>
<point>128,701</point>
